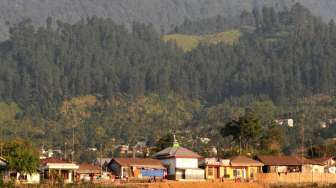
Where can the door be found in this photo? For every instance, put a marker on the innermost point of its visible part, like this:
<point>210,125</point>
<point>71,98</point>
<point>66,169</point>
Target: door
<point>244,173</point>
<point>215,170</point>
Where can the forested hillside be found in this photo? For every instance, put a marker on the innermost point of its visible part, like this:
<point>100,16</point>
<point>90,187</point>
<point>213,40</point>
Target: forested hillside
<point>103,81</point>
<point>163,14</point>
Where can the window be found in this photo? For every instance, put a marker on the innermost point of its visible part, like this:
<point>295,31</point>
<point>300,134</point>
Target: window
<point>252,172</point>
<point>226,174</point>
<point>236,172</point>
<point>210,171</point>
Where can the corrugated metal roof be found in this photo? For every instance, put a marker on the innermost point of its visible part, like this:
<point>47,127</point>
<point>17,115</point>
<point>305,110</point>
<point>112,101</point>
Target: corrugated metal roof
<point>285,160</point>
<point>139,162</point>
<point>176,152</point>
<point>244,161</point>
<point>86,168</point>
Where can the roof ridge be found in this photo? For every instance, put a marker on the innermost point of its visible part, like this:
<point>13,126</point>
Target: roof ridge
<point>177,147</point>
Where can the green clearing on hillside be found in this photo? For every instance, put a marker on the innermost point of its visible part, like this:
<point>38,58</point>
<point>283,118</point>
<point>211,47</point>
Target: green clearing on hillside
<point>189,42</point>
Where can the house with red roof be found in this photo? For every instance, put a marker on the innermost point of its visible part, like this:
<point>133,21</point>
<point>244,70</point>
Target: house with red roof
<point>88,172</point>
<point>181,163</point>
<point>53,169</point>
<point>328,163</point>
<point>286,164</point>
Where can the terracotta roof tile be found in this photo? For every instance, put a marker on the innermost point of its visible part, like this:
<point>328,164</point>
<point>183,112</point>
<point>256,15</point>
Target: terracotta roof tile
<point>52,160</point>
<point>322,160</point>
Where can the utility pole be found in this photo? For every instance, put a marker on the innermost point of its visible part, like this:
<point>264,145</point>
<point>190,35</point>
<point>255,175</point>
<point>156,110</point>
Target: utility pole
<point>2,141</point>
<point>302,149</point>
<point>101,159</point>
<point>311,148</point>
<point>73,144</point>
<point>65,150</point>
<point>240,145</point>
<point>113,140</point>
<point>133,152</point>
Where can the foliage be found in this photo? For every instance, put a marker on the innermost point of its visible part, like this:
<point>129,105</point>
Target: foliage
<point>21,156</point>
<point>104,82</point>
<point>272,141</point>
<point>165,142</point>
<point>245,131</point>
<point>8,111</point>
<point>190,42</point>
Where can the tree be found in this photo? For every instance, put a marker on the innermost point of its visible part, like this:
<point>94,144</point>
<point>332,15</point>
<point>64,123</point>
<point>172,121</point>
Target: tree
<point>164,142</point>
<point>245,131</point>
<point>272,141</point>
<point>22,156</point>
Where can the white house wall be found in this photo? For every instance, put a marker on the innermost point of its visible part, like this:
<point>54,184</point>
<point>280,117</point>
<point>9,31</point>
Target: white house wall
<point>63,166</point>
<point>186,163</point>
<point>33,178</point>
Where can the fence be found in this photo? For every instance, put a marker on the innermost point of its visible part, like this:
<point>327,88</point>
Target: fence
<point>274,178</point>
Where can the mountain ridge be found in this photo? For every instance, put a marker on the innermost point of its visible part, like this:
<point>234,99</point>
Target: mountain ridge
<point>163,14</point>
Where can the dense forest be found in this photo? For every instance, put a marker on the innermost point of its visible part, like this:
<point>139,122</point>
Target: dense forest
<point>103,82</point>
<point>163,14</point>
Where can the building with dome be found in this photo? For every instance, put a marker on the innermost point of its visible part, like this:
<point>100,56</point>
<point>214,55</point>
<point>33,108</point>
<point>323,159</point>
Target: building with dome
<point>181,163</point>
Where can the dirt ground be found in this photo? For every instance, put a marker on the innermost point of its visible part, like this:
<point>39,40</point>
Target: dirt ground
<point>202,185</point>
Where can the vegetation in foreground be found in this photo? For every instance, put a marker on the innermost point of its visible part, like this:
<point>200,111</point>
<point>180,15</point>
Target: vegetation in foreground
<point>304,186</point>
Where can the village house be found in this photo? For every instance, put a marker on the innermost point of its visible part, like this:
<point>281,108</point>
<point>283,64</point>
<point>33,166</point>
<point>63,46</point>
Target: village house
<point>53,169</point>
<point>88,172</point>
<point>215,169</point>
<point>4,168</point>
<point>181,163</point>
<point>26,178</point>
<point>287,164</point>
<point>139,168</point>
<point>239,167</point>
<point>285,122</point>
<point>244,168</point>
<point>103,162</point>
<point>3,164</point>
<point>328,163</point>
<point>279,164</point>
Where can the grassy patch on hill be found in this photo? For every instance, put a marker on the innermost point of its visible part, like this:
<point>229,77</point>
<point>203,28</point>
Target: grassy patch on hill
<point>189,42</point>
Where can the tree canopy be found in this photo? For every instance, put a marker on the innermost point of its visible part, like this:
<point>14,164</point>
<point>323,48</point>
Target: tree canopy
<point>104,82</point>
<point>22,157</point>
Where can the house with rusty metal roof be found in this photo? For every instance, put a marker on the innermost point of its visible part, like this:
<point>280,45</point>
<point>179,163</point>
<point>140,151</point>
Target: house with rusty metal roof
<point>325,160</point>
<point>136,168</point>
<point>88,172</point>
<point>181,163</point>
<point>286,164</point>
<point>328,163</point>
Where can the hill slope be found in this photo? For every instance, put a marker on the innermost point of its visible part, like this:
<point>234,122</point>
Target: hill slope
<point>163,14</point>
<point>189,42</point>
